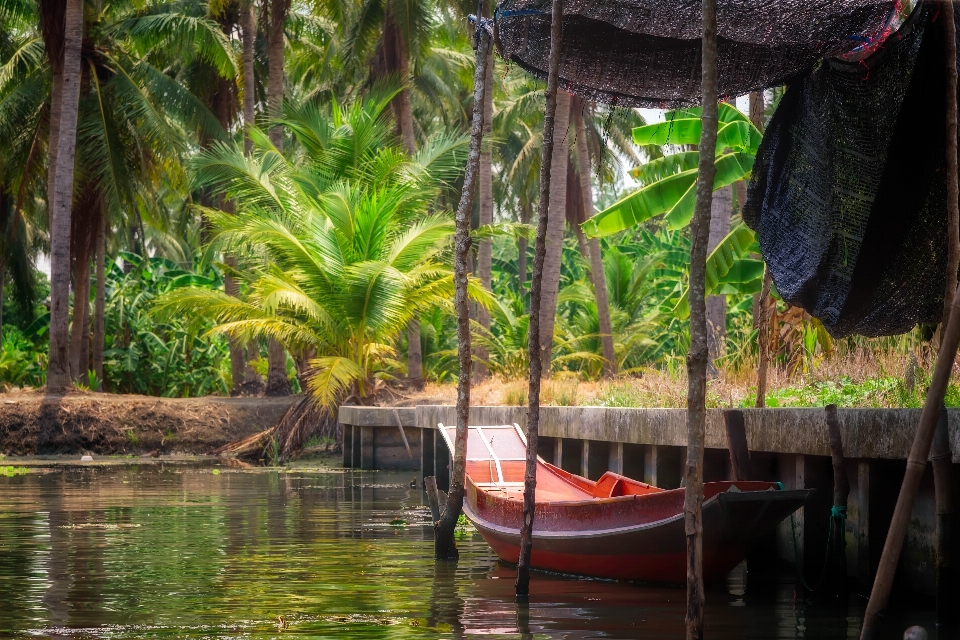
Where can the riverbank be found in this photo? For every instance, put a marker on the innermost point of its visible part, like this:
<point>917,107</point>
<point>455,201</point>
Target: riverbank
<point>33,423</point>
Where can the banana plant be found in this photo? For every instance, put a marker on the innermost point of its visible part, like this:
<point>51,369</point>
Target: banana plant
<point>669,189</point>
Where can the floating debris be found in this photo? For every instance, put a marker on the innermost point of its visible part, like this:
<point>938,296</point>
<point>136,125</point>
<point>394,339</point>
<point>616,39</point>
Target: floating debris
<point>99,525</point>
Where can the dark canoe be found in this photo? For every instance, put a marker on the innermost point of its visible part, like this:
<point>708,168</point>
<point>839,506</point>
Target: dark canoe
<point>615,527</point>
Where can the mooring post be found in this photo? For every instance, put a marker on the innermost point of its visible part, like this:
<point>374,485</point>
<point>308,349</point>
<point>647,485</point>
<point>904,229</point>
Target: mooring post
<point>522,585</point>
<point>864,566</point>
<point>558,452</point>
<point>737,444</point>
<point>838,514</point>
<point>948,596</point>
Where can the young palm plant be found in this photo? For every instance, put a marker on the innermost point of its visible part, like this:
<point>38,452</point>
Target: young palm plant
<point>338,245</point>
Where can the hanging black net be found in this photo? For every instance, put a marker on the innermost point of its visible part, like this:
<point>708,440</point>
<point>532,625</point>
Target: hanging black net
<point>646,53</point>
<point>848,194</point>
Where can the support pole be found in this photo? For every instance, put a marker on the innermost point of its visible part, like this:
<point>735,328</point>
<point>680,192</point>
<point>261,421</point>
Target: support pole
<point>536,285</point>
<point>737,444</point>
<point>444,545</point>
<point>940,456</point>
<point>697,356</point>
<point>916,463</point>
<point>763,318</point>
<point>841,494</point>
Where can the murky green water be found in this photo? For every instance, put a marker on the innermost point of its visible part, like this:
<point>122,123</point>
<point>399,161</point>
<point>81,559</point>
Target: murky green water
<point>175,551</point>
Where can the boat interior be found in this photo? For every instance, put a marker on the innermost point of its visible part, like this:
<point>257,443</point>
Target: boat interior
<point>496,460</point>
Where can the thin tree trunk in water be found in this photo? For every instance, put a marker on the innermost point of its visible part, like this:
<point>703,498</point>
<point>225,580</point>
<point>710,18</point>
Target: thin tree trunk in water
<point>444,545</point>
<point>597,275</point>
<point>485,251</point>
<point>536,288</point>
<point>249,80</point>
<point>941,459</point>
<point>556,217</point>
<point>697,357</point>
<point>277,382</point>
<point>720,211</point>
<point>80,328</point>
<point>763,315</point>
<point>949,340</point>
<point>58,369</point>
<point>99,306</point>
<point>522,247</point>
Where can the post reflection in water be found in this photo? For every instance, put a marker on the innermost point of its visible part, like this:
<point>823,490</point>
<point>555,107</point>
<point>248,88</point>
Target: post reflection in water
<point>178,551</point>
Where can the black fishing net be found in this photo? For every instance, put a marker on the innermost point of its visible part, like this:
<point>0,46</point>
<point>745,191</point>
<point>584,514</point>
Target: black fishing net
<point>646,53</point>
<point>848,194</point>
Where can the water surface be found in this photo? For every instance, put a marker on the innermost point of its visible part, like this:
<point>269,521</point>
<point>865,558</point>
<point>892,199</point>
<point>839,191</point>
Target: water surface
<point>184,551</point>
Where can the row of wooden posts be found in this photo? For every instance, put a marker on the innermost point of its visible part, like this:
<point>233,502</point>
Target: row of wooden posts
<point>446,519</point>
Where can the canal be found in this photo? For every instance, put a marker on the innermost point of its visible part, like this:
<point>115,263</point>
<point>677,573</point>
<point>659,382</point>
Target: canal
<point>167,550</point>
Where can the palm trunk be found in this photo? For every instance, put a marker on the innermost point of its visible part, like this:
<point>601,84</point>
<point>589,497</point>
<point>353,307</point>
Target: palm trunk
<point>697,357</point>
<point>58,368</point>
<point>534,342</point>
<point>444,545</point>
<point>99,306</point>
<point>80,327</point>
<point>557,216</point>
<point>597,276</point>
<point>277,382</point>
<point>3,279</point>
<point>485,251</point>
<point>249,81</point>
<point>720,211</point>
<point>522,247</point>
<point>396,61</point>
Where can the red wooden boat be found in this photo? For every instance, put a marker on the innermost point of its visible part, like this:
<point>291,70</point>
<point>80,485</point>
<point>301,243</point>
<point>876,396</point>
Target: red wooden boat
<point>615,527</point>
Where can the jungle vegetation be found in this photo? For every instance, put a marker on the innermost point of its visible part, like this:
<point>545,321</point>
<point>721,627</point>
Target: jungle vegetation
<point>242,196</point>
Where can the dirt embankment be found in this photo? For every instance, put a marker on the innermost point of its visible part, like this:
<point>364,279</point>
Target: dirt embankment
<point>33,423</point>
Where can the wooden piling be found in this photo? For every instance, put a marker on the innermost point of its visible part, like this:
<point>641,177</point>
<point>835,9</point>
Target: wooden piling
<point>433,497</point>
<point>444,545</point>
<point>522,585</point>
<point>697,355</point>
<point>947,579</point>
<point>737,444</point>
<point>841,494</point>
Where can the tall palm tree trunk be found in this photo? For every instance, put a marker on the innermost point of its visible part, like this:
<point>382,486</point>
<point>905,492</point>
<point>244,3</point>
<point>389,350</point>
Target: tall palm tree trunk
<point>99,305</point>
<point>485,250</point>
<point>698,354</point>
<point>720,212</point>
<point>277,382</point>
<point>556,218</point>
<point>249,27</point>
<point>595,258</point>
<point>58,368</point>
<point>396,60</point>
<point>80,327</point>
<point>522,247</point>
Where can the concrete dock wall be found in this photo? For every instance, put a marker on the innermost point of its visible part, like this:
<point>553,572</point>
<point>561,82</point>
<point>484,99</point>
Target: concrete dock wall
<point>787,445</point>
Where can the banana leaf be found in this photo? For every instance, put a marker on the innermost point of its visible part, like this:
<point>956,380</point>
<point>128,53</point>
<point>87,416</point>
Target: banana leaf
<point>675,196</point>
<point>728,269</point>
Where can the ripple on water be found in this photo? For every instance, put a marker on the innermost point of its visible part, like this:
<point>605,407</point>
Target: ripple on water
<point>173,551</point>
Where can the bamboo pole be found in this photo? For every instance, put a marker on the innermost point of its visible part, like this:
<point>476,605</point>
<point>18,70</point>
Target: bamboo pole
<point>444,545</point>
<point>522,585</point>
<point>949,339</point>
<point>697,356</point>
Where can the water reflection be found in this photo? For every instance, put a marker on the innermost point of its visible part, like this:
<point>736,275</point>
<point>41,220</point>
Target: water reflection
<point>173,551</point>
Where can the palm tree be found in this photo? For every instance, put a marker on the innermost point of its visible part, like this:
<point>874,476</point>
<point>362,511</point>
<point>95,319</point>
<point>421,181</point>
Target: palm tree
<point>63,120</point>
<point>339,245</point>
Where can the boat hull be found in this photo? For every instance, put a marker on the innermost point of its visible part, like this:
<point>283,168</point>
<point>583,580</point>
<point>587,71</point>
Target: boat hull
<point>652,551</point>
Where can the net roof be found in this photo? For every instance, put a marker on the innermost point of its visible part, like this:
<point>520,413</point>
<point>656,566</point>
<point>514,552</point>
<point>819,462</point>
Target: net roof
<point>646,53</point>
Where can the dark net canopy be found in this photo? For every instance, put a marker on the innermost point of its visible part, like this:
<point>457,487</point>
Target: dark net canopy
<point>646,53</point>
<point>848,194</point>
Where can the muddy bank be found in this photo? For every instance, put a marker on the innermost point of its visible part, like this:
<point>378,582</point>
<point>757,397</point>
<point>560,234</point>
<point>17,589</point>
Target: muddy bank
<point>32,423</point>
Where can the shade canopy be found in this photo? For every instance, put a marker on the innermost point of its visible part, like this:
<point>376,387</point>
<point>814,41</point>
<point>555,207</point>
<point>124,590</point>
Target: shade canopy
<point>646,53</point>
